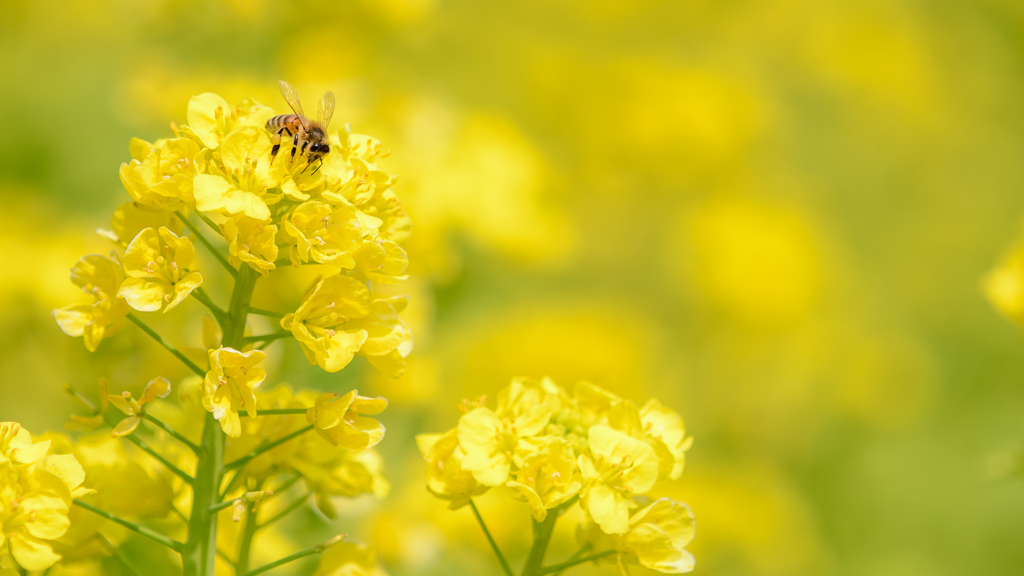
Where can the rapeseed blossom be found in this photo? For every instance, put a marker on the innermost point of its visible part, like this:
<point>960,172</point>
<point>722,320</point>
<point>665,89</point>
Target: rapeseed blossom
<point>36,490</point>
<point>551,450</point>
<point>216,172</point>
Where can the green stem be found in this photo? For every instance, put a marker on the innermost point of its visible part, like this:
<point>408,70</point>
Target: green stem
<point>266,447</point>
<point>245,546</point>
<point>299,503</point>
<point>218,313</point>
<point>269,337</point>
<point>260,312</point>
<point>202,240</point>
<point>542,532</point>
<point>116,552</point>
<point>166,428</point>
<point>167,345</point>
<point>577,554</point>
<point>277,411</point>
<point>298,555</point>
<point>490,540</point>
<point>577,562</point>
<point>156,455</point>
<point>151,534</point>
<point>200,551</point>
<point>209,223</point>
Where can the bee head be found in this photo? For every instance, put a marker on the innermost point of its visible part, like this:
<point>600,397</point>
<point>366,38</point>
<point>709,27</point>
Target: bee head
<point>320,149</point>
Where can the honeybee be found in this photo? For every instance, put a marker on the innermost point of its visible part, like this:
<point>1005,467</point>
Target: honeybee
<point>311,136</point>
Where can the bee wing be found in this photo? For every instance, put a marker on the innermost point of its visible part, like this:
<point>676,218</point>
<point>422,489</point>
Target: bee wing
<point>292,98</point>
<point>326,109</point>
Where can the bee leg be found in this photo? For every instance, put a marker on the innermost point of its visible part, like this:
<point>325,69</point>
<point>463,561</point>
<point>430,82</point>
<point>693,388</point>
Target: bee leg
<point>295,145</point>
<point>277,143</point>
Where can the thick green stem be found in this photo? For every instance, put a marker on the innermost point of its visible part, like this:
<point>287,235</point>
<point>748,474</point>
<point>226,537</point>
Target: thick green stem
<point>542,532</point>
<point>200,550</point>
<point>201,547</point>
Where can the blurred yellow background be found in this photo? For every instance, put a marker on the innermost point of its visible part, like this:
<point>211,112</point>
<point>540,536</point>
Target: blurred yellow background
<point>773,216</point>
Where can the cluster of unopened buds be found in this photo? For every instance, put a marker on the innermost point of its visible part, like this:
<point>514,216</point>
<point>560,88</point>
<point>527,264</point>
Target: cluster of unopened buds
<point>224,447</point>
<point>553,450</point>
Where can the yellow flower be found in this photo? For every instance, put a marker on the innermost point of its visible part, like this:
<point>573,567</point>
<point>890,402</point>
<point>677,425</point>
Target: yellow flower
<point>337,320</point>
<point>131,218</point>
<point>331,471</point>
<point>239,183</point>
<point>210,118</point>
<point>348,559</point>
<point>665,425</point>
<point>36,489</point>
<point>1004,286</point>
<point>446,477</point>
<point>493,445</point>
<point>617,467</point>
<point>231,384</point>
<point>322,233</point>
<point>160,175</point>
<point>547,478</point>
<point>158,387</point>
<point>381,261</point>
<point>657,538</point>
<point>251,241</point>
<point>338,419</point>
<point>100,278</point>
<point>157,265</point>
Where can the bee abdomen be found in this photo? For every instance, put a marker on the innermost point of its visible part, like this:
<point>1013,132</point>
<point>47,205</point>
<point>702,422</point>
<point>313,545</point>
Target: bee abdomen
<point>280,120</point>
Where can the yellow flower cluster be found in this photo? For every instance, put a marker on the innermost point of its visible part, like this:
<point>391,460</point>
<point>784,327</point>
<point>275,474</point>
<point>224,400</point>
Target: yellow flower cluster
<point>342,216</point>
<point>36,489</point>
<point>551,449</point>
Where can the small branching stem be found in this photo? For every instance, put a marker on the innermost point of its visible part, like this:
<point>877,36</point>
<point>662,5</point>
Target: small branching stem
<point>570,563</point>
<point>166,428</point>
<point>160,340</point>
<point>298,555</point>
<point>490,540</point>
<point>160,458</point>
<point>265,448</point>
<point>202,240</point>
<point>151,534</point>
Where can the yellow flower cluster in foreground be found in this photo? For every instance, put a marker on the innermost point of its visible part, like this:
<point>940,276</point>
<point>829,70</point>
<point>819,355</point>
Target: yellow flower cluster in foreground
<point>550,450</point>
<point>216,184</point>
<point>36,489</point>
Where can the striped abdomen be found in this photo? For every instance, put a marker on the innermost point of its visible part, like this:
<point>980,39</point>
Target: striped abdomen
<point>281,120</point>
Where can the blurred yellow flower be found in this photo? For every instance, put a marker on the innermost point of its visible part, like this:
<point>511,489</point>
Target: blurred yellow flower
<point>348,559</point>
<point>36,489</point>
<point>230,386</point>
<point>157,264</point>
<point>547,478</point>
<point>131,218</point>
<point>339,420</point>
<point>1004,286</point>
<point>617,467</point>
<point>100,278</point>
<point>446,477</point>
